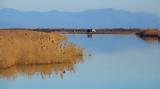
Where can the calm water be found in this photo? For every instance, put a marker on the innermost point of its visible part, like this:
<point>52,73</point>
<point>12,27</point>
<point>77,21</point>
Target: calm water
<point>110,62</point>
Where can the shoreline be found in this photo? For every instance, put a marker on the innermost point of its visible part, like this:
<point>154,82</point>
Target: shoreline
<point>83,31</point>
<point>150,32</point>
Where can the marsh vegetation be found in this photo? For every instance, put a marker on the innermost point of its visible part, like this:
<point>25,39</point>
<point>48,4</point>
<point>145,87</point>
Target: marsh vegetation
<point>24,47</point>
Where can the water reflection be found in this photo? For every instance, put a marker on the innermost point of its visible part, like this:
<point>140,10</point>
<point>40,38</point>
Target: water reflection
<point>145,38</point>
<point>89,35</point>
<point>150,39</point>
<point>45,71</point>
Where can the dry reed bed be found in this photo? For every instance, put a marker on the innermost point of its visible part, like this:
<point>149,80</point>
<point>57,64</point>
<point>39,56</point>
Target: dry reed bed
<point>24,47</point>
<point>149,33</point>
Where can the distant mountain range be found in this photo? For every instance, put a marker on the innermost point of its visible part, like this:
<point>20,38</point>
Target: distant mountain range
<point>101,18</point>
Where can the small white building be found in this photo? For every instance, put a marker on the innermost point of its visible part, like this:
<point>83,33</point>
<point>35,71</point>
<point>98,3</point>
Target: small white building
<point>93,30</point>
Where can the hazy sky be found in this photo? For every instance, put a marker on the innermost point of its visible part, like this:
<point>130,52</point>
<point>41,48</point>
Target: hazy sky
<point>151,6</point>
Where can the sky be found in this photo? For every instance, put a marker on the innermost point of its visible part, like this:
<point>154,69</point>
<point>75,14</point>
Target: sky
<point>149,6</point>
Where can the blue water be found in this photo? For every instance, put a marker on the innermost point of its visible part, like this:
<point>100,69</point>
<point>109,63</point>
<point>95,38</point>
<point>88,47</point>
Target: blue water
<point>110,62</point>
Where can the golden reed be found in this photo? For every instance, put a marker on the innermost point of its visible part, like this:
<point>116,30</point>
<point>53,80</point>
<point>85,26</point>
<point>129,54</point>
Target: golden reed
<point>24,47</point>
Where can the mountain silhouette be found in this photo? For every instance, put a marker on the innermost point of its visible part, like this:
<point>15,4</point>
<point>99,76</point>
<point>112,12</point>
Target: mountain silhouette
<point>100,18</point>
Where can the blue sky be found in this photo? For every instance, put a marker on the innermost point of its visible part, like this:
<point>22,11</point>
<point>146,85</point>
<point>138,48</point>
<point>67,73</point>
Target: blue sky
<point>149,6</point>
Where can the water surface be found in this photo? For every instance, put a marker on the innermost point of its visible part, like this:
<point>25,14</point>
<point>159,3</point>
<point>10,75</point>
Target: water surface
<point>110,62</point>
